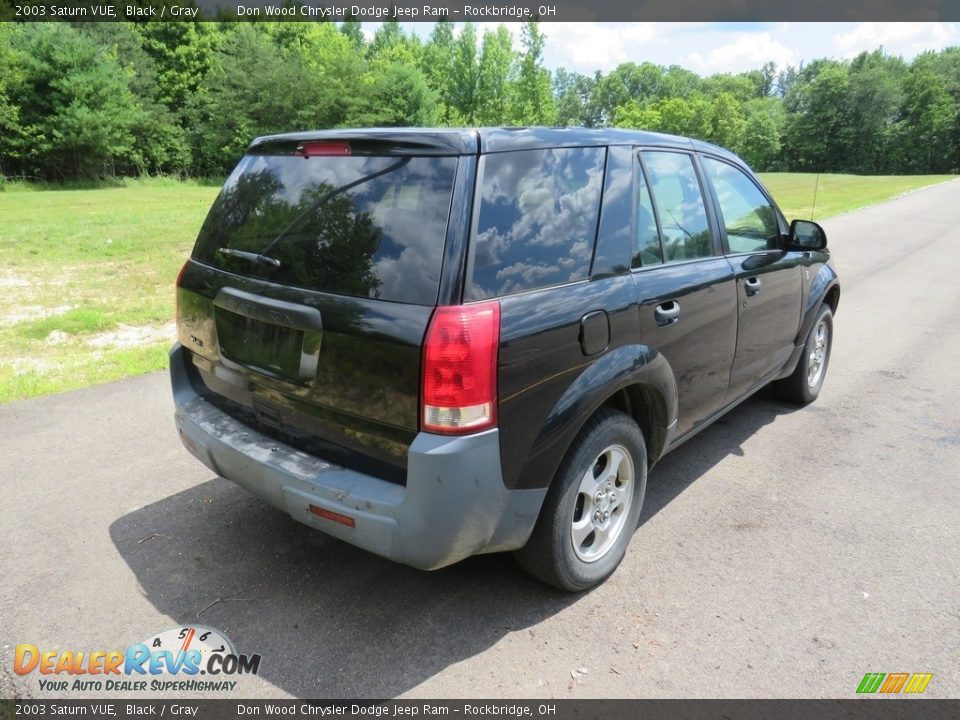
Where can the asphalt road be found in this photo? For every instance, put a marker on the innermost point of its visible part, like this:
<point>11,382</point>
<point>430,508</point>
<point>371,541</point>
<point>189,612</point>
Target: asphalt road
<point>782,553</point>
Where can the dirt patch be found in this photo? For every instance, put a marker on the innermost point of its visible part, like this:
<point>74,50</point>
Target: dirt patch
<point>8,281</point>
<point>26,313</point>
<point>57,337</point>
<point>133,335</point>
<point>25,366</point>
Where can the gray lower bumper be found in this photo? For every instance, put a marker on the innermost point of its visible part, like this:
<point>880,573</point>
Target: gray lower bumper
<point>454,504</point>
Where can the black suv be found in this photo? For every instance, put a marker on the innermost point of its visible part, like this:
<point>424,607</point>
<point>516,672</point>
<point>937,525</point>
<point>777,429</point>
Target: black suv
<point>437,343</point>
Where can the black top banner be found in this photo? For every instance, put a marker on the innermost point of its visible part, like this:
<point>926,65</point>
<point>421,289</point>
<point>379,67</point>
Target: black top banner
<point>519,11</point>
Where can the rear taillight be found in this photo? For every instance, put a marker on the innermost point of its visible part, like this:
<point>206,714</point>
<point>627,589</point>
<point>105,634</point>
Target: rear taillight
<point>459,389</point>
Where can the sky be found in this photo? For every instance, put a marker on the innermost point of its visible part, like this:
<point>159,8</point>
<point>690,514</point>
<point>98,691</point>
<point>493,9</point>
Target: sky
<point>707,48</point>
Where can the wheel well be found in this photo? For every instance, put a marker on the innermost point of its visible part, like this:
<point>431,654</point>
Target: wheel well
<point>647,408</point>
<point>833,298</point>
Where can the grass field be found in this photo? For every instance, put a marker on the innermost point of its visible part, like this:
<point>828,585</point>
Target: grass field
<point>86,275</point>
<point>835,194</point>
<point>86,278</point>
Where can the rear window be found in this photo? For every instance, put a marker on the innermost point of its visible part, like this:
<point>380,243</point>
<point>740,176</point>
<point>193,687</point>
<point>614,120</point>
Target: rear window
<point>538,219</point>
<point>367,226</point>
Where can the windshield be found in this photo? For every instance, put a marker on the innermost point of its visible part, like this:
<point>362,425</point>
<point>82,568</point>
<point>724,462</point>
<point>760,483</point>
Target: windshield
<point>359,225</point>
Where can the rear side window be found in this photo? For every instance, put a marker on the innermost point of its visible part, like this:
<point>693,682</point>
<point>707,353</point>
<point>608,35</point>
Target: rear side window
<point>537,220</point>
<point>367,226</point>
<point>680,207</point>
<point>749,218</point>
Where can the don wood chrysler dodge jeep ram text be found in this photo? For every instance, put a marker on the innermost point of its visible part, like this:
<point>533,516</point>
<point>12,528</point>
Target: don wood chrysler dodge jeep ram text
<point>437,343</point>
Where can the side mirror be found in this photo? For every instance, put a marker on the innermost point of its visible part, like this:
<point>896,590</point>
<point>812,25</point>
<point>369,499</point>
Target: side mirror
<point>807,235</point>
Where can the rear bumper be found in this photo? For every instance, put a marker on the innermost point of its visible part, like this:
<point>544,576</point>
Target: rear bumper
<point>454,503</point>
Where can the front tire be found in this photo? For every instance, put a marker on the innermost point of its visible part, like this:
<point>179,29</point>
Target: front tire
<point>803,386</point>
<point>592,507</point>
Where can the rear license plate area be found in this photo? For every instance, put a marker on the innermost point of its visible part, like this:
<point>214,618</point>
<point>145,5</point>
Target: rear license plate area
<point>268,348</point>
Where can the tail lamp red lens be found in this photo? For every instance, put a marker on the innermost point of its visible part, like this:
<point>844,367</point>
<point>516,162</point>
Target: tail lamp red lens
<point>459,388</point>
<point>325,147</point>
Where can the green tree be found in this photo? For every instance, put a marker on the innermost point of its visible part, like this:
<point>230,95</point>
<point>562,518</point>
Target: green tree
<point>400,95</point>
<point>691,117</point>
<point>233,105</point>
<point>76,110</point>
<point>637,117</point>
<point>184,54</point>
<point>532,97</point>
<point>10,86</point>
<point>726,121</point>
<point>785,82</point>
<point>818,132</point>
<point>762,132</point>
<point>741,87</point>
<point>464,75</point>
<point>642,83</point>
<point>387,35</point>
<point>679,82</point>
<point>926,127</point>
<point>493,77</point>
<point>946,66</point>
<point>573,92</point>
<point>765,79</point>
<point>352,30</point>
<point>160,143</point>
<point>876,92</point>
<point>93,99</point>
<point>436,62</point>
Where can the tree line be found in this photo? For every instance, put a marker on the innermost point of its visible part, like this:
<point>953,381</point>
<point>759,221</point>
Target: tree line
<point>90,100</point>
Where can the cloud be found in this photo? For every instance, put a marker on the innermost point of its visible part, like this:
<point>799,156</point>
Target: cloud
<point>746,52</point>
<point>904,38</point>
<point>586,47</point>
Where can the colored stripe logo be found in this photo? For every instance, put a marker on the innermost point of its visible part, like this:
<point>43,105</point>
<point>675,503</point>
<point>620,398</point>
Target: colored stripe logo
<point>894,683</point>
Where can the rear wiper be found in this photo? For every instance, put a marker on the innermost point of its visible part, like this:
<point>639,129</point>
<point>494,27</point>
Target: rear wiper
<point>252,257</point>
<point>324,198</point>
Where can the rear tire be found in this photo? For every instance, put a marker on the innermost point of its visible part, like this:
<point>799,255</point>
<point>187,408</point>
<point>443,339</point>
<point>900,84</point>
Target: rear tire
<point>804,385</point>
<point>592,507</point>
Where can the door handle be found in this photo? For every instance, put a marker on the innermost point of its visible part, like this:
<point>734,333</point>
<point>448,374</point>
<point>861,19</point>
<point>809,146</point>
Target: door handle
<point>667,313</point>
<point>752,286</point>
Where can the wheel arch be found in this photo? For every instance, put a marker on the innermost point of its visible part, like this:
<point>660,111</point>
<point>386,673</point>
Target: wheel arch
<point>645,404</point>
<point>636,380</point>
<point>824,288</point>
<point>832,298</point>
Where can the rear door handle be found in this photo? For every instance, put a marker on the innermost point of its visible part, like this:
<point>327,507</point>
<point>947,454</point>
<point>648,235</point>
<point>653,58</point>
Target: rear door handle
<point>667,313</point>
<point>752,286</point>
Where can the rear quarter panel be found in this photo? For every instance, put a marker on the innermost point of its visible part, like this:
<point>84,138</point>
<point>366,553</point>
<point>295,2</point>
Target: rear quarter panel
<point>549,388</point>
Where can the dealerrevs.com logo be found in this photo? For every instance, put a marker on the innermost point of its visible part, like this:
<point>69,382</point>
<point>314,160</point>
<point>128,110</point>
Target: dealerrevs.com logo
<point>191,659</point>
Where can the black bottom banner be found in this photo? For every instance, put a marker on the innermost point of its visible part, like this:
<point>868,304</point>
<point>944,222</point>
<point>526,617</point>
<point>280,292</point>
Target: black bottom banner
<point>872,709</point>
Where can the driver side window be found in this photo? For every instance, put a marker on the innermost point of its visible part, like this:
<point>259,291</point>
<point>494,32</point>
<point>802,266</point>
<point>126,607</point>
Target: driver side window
<point>750,220</point>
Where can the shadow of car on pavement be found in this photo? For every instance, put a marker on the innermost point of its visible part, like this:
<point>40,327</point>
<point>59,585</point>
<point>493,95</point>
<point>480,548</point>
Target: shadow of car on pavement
<point>330,620</point>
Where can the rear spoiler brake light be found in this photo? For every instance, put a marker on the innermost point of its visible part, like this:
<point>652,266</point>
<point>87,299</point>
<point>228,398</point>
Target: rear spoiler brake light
<point>317,148</point>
